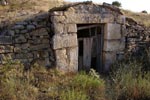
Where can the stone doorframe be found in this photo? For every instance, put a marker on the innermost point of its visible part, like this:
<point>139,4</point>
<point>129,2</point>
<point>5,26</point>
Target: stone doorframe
<point>65,43</point>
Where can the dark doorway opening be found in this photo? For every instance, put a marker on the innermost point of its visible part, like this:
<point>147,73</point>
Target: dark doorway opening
<point>90,42</point>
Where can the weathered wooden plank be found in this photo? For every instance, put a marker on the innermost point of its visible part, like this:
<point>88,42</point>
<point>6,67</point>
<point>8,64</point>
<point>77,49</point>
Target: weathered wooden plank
<point>87,50</point>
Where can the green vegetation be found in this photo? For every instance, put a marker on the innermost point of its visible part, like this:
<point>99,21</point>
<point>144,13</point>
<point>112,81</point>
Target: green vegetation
<point>40,83</point>
<point>116,3</point>
<point>127,81</point>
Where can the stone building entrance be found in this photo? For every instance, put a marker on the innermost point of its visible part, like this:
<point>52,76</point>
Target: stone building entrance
<point>90,40</point>
<point>86,35</point>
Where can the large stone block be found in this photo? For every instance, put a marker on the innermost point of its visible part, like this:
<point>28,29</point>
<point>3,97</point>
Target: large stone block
<point>108,59</point>
<point>112,31</point>
<point>72,54</point>
<point>114,45</point>
<point>71,28</point>
<point>58,19</point>
<point>67,59</point>
<point>5,40</point>
<point>59,28</point>
<point>61,60</point>
<point>63,41</point>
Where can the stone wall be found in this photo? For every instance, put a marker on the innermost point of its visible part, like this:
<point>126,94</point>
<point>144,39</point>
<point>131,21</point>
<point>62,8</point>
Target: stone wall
<point>28,41</point>
<point>137,36</point>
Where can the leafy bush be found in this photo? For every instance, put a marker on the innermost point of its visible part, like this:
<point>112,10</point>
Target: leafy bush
<point>116,3</point>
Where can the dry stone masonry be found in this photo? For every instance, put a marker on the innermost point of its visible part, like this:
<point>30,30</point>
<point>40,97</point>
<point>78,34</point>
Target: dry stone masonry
<point>27,41</point>
<point>137,36</point>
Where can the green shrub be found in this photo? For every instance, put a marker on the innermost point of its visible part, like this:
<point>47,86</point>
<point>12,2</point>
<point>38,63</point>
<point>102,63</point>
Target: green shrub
<point>73,95</point>
<point>116,3</point>
<point>91,83</point>
<point>130,82</point>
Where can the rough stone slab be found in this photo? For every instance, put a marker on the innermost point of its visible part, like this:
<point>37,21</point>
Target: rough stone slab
<point>5,40</point>
<point>30,27</point>
<point>58,19</point>
<point>72,54</point>
<point>39,47</point>
<point>20,27</point>
<point>114,45</point>
<point>61,60</point>
<point>112,31</point>
<point>20,39</point>
<point>71,28</point>
<point>63,41</point>
<point>39,32</point>
<point>23,55</point>
<point>59,28</point>
<point>24,46</point>
<point>11,32</point>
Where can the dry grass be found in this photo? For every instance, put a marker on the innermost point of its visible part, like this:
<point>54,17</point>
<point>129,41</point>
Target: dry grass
<point>18,10</point>
<point>141,18</point>
<point>42,84</point>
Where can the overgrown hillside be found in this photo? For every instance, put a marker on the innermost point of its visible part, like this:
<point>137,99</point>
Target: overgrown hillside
<point>142,18</point>
<point>17,10</point>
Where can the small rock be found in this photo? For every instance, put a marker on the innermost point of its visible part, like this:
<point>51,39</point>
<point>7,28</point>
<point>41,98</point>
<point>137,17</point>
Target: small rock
<point>30,27</point>
<point>19,27</point>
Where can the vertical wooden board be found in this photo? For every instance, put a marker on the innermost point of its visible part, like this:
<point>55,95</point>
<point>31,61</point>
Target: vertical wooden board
<point>87,52</point>
<point>98,51</point>
<point>80,64</point>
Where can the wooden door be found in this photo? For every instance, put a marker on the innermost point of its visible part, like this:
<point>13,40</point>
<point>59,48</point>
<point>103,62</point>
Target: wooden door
<point>87,52</point>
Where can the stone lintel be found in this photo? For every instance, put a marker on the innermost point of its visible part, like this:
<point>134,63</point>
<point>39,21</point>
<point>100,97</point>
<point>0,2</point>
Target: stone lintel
<point>82,18</point>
